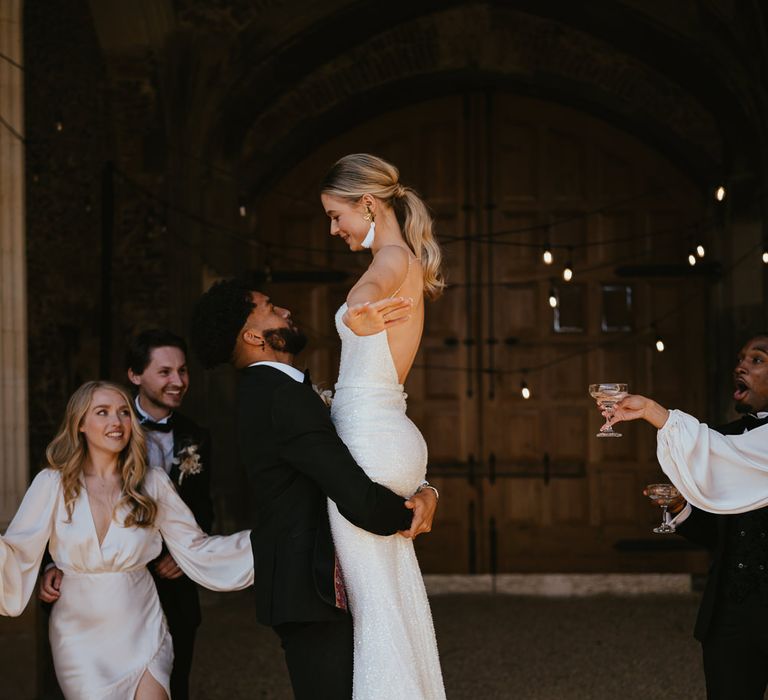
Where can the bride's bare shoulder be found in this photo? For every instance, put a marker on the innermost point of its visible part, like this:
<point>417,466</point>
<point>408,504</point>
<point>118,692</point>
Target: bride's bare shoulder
<point>393,256</point>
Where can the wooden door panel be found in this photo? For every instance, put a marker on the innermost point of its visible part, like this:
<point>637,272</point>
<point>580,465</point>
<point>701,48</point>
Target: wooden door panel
<point>567,378</point>
<point>514,435</point>
<point>517,310</point>
<point>517,161</point>
<point>616,233</point>
<point>570,228</point>
<point>570,502</point>
<point>617,493</point>
<point>526,486</point>
<point>568,432</point>
<point>520,252</point>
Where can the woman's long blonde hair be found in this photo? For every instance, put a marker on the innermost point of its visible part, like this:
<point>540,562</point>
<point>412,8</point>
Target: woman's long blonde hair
<point>68,450</point>
<point>358,174</point>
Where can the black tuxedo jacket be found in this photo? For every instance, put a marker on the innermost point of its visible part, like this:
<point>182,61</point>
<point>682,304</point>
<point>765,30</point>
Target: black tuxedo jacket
<point>295,461</point>
<point>711,531</point>
<point>179,597</point>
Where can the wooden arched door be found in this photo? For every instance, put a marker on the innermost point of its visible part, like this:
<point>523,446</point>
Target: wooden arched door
<point>526,486</point>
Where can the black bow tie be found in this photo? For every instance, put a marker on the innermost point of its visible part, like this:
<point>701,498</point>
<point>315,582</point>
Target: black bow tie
<point>307,378</point>
<point>750,421</point>
<point>166,427</point>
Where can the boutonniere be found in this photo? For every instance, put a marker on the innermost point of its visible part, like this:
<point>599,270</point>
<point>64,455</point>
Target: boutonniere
<point>325,394</point>
<point>188,459</point>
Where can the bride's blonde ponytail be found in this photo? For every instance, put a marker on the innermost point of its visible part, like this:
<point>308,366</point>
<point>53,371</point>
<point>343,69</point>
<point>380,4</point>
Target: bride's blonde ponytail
<point>358,174</point>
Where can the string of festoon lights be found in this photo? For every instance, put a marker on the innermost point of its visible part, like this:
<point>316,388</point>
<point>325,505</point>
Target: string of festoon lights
<point>696,253</point>
<point>526,391</point>
<point>548,249</point>
<point>651,328</point>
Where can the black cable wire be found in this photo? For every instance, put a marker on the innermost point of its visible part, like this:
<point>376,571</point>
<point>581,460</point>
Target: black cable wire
<point>644,330</point>
<point>559,222</point>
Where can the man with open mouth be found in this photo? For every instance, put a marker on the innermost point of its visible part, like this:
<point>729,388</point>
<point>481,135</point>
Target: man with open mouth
<point>732,623</point>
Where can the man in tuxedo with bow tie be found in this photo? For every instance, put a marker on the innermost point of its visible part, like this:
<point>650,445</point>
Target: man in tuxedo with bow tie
<point>295,461</point>
<point>732,623</point>
<point>156,364</point>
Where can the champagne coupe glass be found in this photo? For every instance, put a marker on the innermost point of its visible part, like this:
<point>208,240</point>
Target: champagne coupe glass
<point>607,396</point>
<point>664,495</point>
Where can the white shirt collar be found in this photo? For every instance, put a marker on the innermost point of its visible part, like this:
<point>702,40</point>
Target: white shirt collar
<point>143,415</point>
<point>292,372</point>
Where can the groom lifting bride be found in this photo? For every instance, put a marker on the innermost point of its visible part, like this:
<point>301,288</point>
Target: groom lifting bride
<point>295,461</point>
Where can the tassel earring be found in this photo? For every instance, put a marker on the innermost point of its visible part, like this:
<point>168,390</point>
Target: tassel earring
<point>368,240</point>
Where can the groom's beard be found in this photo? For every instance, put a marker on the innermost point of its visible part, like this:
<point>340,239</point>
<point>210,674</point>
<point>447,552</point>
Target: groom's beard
<point>288,340</point>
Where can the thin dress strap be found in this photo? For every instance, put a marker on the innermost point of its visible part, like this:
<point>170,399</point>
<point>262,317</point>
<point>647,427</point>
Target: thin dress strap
<point>411,258</point>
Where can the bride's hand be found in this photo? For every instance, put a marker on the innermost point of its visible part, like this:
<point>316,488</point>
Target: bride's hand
<point>371,318</point>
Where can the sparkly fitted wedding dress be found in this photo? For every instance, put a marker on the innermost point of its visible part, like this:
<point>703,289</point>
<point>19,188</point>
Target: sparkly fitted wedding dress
<point>395,649</point>
<point>107,627</point>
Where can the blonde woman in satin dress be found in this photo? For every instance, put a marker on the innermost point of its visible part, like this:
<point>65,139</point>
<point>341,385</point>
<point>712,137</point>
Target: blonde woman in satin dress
<point>102,513</point>
<point>380,325</point>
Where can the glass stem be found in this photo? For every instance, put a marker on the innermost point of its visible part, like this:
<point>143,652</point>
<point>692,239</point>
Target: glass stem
<point>609,411</point>
<point>664,515</point>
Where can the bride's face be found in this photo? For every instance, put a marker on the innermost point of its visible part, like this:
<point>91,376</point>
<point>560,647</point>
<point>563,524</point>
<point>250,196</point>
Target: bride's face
<point>347,220</point>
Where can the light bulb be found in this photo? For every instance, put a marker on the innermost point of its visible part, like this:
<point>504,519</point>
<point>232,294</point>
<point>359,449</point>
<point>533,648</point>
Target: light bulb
<point>659,344</point>
<point>553,298</point>
<point>691,259</point>
<point>765,257</point>
<point>525,392</point>
<point>546,256</point>
<point>568,273</point>
<point>720,193</point>
<point>700,250</point>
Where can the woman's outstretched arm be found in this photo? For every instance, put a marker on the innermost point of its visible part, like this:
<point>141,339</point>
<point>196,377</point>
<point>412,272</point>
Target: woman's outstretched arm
<point>23,545</point>
<point>218,562</point>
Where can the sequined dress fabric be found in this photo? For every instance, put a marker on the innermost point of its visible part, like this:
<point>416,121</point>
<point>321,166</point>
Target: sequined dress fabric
<point>395,649</point>
<point>107,627</point>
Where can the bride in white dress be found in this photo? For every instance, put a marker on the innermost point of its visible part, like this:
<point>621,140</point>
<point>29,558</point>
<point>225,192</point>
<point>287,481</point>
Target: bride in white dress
<point>102,512</point>
<point>395,650</point>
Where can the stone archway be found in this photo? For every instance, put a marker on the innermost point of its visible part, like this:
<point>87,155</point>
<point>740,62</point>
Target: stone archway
<point>443,51</point>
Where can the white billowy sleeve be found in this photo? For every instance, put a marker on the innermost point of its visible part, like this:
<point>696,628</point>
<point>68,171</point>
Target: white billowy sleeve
<point>218,562</point>
<point>23,545</point>
<point>718,473</point>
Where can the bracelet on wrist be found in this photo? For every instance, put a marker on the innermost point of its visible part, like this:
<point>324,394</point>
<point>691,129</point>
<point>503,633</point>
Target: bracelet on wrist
<point>427,485</point>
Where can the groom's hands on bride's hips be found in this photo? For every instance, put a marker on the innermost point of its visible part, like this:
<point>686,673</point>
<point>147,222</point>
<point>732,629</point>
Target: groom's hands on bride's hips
<point>423,504</point>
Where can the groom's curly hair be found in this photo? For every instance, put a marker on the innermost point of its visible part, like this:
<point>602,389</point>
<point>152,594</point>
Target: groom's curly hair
<point>217,318</point>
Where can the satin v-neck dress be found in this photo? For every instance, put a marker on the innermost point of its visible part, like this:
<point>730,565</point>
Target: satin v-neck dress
<point>108,628</point>
<point>395,649</point>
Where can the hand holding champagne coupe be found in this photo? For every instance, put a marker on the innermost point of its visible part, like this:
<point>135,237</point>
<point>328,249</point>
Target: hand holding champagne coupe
<point>664,495</point>
<point>607,396</point>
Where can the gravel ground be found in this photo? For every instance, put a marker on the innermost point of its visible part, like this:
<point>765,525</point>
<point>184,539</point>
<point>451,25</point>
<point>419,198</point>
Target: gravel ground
<point>633,648</point>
